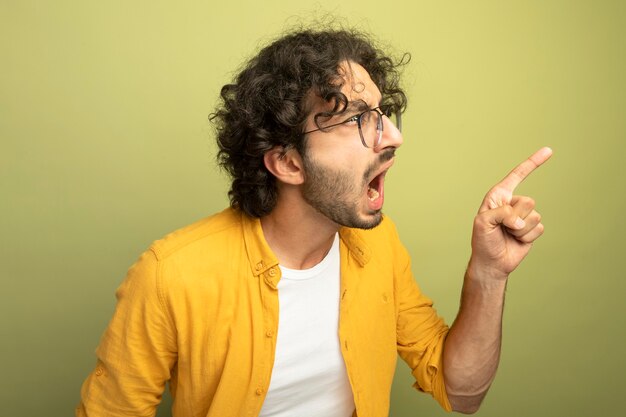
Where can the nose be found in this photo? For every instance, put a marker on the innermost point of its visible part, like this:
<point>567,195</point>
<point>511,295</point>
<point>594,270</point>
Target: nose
<point>391,137</point>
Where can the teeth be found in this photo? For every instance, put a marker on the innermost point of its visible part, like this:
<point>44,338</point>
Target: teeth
<point>372,193</point>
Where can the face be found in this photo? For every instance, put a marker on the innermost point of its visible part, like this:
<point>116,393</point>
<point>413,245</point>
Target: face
<point>344,180</point>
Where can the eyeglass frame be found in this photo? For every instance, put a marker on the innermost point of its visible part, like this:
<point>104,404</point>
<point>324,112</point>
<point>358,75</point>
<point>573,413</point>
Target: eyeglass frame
<point>358,117</point>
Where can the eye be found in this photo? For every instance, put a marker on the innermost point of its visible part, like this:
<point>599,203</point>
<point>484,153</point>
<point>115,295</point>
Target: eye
<point>352,120</point>
<point>365,117</point>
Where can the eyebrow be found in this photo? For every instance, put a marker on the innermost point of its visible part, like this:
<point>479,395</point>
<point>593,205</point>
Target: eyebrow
<point>358,105</point>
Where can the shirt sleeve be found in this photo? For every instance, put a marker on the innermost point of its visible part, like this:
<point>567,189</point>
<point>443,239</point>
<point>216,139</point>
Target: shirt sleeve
<point>420,331</point>
<point>136,352</point>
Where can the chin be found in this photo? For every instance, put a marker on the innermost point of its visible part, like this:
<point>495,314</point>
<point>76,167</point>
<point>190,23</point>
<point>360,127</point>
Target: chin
<point>369,221</point>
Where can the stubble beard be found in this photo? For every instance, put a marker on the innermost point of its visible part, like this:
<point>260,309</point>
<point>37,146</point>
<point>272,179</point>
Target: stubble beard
<point>332,192</point>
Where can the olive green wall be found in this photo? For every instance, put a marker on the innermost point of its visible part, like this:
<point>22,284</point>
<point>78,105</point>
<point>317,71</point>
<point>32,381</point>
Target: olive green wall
<point>105,146</point>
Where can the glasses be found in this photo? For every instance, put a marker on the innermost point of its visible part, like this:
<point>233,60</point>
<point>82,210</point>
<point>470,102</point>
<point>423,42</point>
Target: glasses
<point>370,124</point>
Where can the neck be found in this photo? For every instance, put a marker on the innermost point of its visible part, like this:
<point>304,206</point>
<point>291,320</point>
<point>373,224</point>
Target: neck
<point>298,234</point>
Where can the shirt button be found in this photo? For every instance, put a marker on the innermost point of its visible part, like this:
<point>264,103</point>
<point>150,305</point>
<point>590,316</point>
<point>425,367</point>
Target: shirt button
<point>99,371</point>
<point>272,272</point>
<point>259,391</point>
<point>269,333</point>
<point>259,266</point>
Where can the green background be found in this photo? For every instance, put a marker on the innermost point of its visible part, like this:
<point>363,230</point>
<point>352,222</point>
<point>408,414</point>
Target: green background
<point>105,147</point>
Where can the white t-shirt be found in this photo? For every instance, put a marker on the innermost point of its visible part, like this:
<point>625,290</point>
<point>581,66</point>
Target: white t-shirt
<point>309,377</point>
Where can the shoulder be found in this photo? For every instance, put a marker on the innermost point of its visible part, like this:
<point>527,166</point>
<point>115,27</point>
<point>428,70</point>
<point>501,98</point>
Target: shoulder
<point>203,253</point>
<point>201,235</point>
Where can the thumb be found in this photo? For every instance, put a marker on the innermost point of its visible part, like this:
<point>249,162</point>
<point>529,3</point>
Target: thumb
<point>504,215</point>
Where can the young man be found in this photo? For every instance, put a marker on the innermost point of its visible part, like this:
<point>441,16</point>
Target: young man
<point>296,300</point>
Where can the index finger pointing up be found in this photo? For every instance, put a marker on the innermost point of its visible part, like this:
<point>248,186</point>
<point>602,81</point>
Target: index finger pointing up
<point>520,172</point>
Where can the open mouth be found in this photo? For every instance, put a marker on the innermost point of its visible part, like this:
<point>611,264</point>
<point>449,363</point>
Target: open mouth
<point>374,188</point>
<point>375,191</point>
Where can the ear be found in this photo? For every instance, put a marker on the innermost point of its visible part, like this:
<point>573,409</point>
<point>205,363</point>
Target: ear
<point>285,164</point>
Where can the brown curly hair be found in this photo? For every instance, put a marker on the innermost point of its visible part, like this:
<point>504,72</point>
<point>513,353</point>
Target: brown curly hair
<point>267,105</point>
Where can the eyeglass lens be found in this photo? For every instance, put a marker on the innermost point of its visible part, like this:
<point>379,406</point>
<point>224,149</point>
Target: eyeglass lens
<point>371,128</point>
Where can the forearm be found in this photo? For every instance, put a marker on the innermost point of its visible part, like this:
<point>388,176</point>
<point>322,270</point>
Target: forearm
<point>472,347</point>
<point>504,230</point>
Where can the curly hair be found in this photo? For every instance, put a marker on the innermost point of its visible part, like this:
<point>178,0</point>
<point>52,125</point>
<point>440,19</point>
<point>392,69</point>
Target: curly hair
<point>268,104</point>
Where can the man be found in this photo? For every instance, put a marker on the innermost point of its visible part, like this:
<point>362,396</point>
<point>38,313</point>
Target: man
<point>296,300</point>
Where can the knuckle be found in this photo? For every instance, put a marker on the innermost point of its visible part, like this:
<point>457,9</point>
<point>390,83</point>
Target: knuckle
<point>527,202</point>
<point>534,217</point>
<point>533,235</point>
<point>479,220</point>
<point>540,228</point>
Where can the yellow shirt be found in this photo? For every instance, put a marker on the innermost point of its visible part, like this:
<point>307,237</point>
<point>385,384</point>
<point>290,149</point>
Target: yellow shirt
<point>200,308</point>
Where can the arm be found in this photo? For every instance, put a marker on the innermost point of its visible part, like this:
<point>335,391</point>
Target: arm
<point>420,331</point>
<point>137,350</point>
<point>504,230</point>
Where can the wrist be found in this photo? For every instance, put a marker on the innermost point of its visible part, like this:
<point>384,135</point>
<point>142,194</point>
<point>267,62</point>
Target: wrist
<point>477,271</point>
<point>482,286</point>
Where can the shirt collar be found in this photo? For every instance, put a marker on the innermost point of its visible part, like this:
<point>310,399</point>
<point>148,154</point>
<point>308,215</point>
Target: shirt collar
<point>261,257</point>
<point>357,246</point>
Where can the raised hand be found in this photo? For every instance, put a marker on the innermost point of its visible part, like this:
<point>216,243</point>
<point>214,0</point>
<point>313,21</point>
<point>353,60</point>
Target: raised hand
<point>506,224</point>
